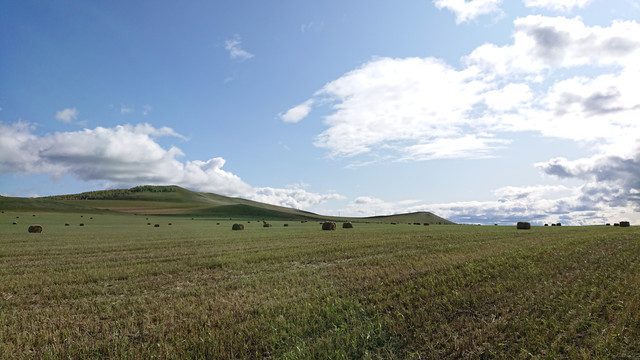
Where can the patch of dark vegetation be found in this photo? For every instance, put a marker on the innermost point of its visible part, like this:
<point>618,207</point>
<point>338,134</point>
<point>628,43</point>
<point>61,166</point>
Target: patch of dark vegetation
<point>116,194</point>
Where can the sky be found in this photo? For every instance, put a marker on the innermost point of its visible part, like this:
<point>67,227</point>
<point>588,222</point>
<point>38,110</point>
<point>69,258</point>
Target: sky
<point>481,111</point>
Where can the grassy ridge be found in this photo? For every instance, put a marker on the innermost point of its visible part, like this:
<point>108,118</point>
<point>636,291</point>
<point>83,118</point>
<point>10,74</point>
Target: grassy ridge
<point>174,200</point>
<point>118,287</point>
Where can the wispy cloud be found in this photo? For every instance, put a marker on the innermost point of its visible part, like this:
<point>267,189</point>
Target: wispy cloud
<point>297,113</point>
<point>126,109</point>
<point>235,50</point>
<point>557,5</point>
<point>469,10</point>
<point>67,115</point>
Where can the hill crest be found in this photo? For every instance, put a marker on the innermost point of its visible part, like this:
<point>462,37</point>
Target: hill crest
<point>175,200</point>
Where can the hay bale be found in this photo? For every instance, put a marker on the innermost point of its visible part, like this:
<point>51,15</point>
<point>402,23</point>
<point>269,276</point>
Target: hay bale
<point>156,225</point>
<point>624,224</point>
<point>35,229</point>
<point>237,227</point>
<point>616,224</point>
<point>329,225</point>
<point>285,225</point>
<point>66,224</point>
<point>523,225</point>
<point>81,224</point>
<point>558,224</point>
<point>347,225</point>
<point>266,224</point>
<point>15,223</point>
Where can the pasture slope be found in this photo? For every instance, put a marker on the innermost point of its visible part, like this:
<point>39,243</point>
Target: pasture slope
<point>174,200</point>
<point>191,288</point>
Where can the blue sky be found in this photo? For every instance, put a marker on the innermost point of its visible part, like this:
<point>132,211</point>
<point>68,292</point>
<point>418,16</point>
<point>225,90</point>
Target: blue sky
<point>482,111</point>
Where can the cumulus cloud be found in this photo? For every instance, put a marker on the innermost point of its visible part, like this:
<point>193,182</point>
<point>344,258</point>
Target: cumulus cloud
<point>130,155</point>
<point>297,113</point>
<point>424,108</point>
<point>469,10</point>
<point>558,78</point>
<point>235,50</point>
<point>544,43</point>
<point>67,115</point>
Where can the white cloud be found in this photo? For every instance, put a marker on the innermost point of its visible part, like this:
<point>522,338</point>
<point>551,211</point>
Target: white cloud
<point>129,155</point>
<point>235,50</point>
<point>589,204</point>
<point>296,198</point>
<point>126,109</point>
<point>67,115</point>
<point>398,103</point>
<point>469,10</point>
<point>424,108</point>
<point>545,43</point>
<point>297,113</point>
<point>557,5</point>
<point>558,78</point>
<point>146,109</point>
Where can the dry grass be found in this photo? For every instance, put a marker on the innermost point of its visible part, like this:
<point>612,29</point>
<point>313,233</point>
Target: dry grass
<point>119,289</point>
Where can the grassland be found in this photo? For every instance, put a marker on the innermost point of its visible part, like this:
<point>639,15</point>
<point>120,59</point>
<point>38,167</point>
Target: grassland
<point>119,288</point>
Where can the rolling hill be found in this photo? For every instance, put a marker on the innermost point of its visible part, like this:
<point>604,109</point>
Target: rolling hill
<point>174,200</point>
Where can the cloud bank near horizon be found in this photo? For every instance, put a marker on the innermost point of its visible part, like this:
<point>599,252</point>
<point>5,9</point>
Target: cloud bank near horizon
<point>129,155</point>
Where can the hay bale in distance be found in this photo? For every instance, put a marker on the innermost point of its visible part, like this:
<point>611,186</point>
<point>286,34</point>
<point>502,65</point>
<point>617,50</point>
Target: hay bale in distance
<point>285,225</point>
<point>35,229</point>
<point>156,225</point>
<point>81,224</point>
<point>237,227</point>
<point>266,224</point>
<point>347,225</point>
<point>558,224</point>
<point>624,224</point>
<point>329,225</point>
<point>616,224</point>
<point>523,225</point>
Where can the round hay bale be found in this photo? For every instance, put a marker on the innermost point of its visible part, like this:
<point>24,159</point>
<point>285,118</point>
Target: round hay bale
<point>266,224</point>
<point>285,225</point>
<point>169,224</point>
<point>427,224</point>
<point>237,227</point>
<point>156,225</point>
<point>347,225</point>
<point>81,224</point>
<point>624,224</point>
<point>329,225</point>
<point>616,224</point>
<point>15,223</point>
<point>66,224</point>
<point>558,224</point>
<point>523,225</point>
<point>148,223</point>
<point>35,229</point>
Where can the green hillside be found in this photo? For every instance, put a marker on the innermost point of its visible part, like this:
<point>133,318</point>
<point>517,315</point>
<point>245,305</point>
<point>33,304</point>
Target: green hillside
<point>174,200</point>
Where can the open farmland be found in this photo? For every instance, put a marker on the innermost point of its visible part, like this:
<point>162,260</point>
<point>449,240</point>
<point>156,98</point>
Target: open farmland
<point>117,287</point>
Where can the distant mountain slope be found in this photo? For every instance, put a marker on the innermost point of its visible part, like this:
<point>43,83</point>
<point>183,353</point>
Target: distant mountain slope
<point>174,200</point>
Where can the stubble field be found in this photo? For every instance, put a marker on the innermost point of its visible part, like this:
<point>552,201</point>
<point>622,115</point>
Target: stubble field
<point>119,288</point>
